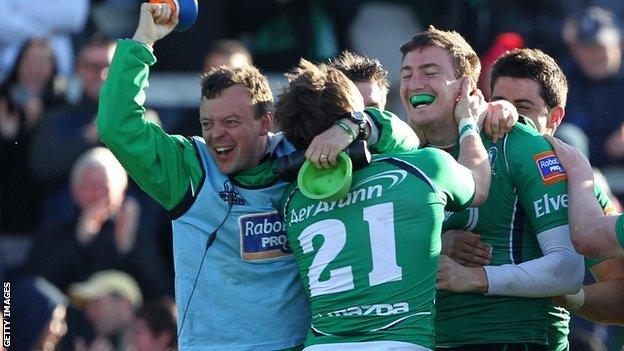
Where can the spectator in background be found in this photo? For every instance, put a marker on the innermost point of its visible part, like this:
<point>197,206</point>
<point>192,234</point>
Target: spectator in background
<point>69,130</point>
<point>592,36</point>
<point>109,299</point>
<point>25,96</point>
<point>54,20</point>
<point>38,315</point>
<point>369,77</point>
<point>105,234</point>
<point>154,327</point>
<point>227,52</point>
<point>596,77</point>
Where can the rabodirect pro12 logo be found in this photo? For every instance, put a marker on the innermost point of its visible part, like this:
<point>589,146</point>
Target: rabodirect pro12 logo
<point>263,236</point>
<point>549,167</point>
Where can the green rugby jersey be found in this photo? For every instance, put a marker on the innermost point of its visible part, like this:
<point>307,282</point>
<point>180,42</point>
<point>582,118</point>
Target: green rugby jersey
<point>558,317</point>
<point>368,262</point>
<point>528,195</point>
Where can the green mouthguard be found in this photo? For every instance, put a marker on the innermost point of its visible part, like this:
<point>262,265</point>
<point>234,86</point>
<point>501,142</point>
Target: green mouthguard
<point>418,99</point>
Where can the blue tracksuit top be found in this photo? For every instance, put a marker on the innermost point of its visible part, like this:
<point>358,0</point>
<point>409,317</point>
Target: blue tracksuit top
<point>248,295</point>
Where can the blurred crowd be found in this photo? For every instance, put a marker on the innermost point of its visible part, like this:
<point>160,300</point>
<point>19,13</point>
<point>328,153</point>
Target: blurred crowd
<point>89,254</point>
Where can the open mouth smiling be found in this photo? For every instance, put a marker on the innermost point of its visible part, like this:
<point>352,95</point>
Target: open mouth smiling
<point>223,150</point>
<point>421,100</point>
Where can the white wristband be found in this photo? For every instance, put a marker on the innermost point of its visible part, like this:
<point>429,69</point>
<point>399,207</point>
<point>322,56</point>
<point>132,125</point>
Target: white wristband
<point>467,126</point>
<point>467,121</point>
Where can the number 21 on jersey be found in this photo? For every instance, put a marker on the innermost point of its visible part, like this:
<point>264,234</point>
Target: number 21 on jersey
<point>380,220</point>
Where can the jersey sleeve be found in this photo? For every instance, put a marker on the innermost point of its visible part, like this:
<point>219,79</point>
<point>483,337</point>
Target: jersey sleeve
<point>164,166</point>
<point>394,134</point>
<point>451,180</point>
<point>462,220</point>
<point>540,181</point>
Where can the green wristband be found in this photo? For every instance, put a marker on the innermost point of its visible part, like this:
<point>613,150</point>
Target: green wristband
<point>344,126</point>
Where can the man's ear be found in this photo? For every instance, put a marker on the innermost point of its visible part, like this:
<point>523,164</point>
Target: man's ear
<point>555,116</point>
<point>266,121</point>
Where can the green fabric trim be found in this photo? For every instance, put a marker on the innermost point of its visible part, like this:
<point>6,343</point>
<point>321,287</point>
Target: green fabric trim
<point>619,230</point>
<point>257,177</point>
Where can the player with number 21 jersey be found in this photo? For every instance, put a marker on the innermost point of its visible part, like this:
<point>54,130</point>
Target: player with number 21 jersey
<point>368,261</point>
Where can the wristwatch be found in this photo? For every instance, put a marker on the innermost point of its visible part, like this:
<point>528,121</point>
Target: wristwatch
<point>360,119</point>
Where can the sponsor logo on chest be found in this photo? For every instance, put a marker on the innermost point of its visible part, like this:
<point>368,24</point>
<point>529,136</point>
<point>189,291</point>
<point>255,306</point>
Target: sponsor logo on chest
<point>383,309</point>
<point>263,236</point>
<point>361,191</point>
<point>549,167</point>
<point>547,204</point>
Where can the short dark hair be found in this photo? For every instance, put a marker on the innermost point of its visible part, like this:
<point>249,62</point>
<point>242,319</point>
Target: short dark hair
<point>315,98</point>
<point>217,79</point>
<point>361,69</point>
<point>160,317</point>
<point>465,58</point>
<point>536,65</point>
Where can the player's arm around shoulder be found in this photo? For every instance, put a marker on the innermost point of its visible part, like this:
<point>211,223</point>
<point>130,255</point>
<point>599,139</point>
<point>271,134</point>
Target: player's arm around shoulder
<point>456,182</point>
<point>594,232</point>
<point>161,164</point>
<point>383,131</point>
<point>389,133</point>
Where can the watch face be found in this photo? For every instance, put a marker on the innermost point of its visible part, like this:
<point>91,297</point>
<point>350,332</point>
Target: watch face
<point>357,116</point>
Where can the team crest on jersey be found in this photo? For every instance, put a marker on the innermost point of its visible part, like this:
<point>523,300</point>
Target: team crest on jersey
<point>492,155</point>
<point>263,236</point>
<point>230,195</point>
<point>549,167</point>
